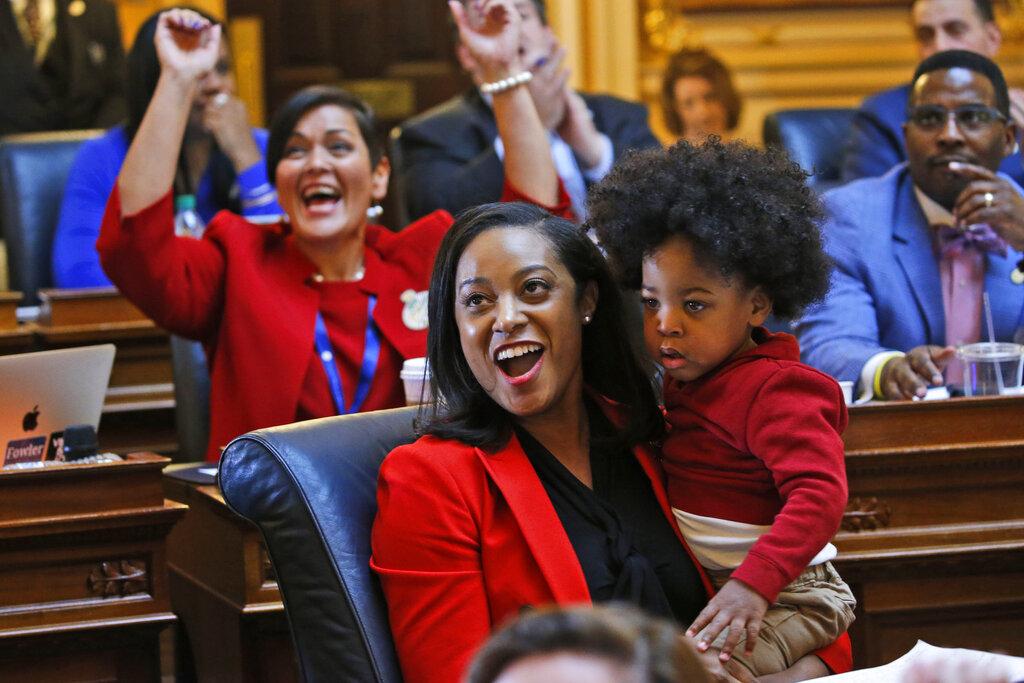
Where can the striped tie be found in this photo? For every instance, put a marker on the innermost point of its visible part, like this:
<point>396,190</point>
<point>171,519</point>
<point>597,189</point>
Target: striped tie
<point>32,23</point>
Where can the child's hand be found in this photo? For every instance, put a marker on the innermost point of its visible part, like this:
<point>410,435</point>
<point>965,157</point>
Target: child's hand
<point>737,606</point>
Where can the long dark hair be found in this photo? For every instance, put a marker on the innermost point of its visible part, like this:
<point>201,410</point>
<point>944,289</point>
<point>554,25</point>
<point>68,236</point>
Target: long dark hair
<point>143,68</point>
<point>611,365</point>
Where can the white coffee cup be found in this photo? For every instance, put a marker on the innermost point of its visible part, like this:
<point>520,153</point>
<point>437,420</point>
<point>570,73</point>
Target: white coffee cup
<point>415,376</point>
<point>847,387</point>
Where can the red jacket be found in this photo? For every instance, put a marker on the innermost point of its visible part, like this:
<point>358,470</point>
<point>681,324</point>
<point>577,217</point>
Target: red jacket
<point>465,538</point>
<point>758,441</point>
<point>243,290</point>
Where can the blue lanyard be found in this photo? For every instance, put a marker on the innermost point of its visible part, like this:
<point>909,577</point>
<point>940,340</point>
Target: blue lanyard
<point>371,352</point>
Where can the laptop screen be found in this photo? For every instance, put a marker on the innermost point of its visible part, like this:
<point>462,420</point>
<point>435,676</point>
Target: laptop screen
<point>42,393</point>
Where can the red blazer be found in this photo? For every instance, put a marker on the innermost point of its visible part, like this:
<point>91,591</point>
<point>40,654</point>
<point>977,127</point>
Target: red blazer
<point>242,290</point>
<point>464,539</point>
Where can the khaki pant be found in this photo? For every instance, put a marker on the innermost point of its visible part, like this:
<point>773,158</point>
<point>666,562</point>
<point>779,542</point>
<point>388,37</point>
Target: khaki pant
<point>809,614</point>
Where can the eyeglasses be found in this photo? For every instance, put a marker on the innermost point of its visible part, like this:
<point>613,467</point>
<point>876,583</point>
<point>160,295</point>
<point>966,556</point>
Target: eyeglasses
<point>969,117</point>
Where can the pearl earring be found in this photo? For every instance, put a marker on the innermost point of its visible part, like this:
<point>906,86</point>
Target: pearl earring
<point>586,319</point>
<point>374,212</point>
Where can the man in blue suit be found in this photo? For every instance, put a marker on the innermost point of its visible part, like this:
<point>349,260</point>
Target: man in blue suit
<point>915,249</point>
<point>875,142</point>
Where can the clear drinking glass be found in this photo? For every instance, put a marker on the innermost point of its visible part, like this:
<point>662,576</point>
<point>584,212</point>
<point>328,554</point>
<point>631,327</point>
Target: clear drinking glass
<point>992,368</point>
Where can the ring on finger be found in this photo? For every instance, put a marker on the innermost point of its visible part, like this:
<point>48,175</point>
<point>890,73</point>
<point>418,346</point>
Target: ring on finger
<point>989,199</point>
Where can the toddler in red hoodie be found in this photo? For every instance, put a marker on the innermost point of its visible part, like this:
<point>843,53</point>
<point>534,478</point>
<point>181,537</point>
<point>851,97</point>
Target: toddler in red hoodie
<point>718,238</point>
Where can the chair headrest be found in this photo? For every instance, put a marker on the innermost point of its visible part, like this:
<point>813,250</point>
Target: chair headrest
<point>311,489</point>
<point>34,168</point>
<point>814,138</point>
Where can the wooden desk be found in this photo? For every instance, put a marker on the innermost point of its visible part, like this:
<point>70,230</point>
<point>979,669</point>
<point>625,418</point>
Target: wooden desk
<point>14,338</point>
<point>224,591</point>
<point>83,574</point>
<point>141,377</point>
<point>933,538</point>
<point>138,414</point>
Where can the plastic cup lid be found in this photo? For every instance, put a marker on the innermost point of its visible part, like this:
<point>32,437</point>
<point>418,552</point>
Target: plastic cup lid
<point>991,352</point>
<point>415,368</point>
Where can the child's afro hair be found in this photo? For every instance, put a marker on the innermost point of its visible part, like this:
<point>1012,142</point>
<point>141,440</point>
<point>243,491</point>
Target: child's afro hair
<point>747,212</point>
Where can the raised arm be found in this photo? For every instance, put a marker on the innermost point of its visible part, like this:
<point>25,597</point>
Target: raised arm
<point>177,281</point>
<point>187,46</point>
<point>492,37</point>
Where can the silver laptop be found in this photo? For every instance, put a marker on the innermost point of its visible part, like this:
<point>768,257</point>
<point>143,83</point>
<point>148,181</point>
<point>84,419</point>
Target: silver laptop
<point>42,393</point>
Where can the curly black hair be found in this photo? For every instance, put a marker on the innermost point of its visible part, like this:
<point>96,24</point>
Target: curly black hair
<point>747,212</point>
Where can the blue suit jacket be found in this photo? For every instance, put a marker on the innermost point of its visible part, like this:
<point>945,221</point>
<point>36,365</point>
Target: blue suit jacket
<point>875,143</point>
<point>886,292</point>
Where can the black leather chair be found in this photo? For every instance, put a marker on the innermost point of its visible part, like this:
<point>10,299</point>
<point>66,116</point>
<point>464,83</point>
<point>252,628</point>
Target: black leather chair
<point>191,398</point>
<point>33,170</point>
<point>814,138</point>
<point>311,489</point>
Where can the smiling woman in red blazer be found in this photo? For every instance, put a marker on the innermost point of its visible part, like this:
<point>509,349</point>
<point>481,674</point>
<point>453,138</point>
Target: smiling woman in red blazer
<point>534,482</point>
<point>311,316</point>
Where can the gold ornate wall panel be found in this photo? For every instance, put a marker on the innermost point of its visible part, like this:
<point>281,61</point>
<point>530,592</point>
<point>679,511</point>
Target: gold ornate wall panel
<point>602,42</point>
<point>805,57</point>
<point>246,35</point>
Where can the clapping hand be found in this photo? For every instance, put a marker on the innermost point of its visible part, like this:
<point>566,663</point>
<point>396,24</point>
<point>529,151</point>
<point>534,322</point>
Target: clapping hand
<point>550,81</point>
<point>738,607</point>
<point>579,131</point>
<point>491,34</point>
<point>187,44</point>
<point>226,117</point>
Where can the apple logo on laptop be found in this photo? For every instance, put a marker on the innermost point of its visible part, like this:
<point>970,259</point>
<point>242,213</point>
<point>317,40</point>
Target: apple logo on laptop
<point>31,420</point>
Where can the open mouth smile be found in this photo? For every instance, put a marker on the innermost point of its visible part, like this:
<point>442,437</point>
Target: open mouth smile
<point>519,362</point>
<point>320,198</point>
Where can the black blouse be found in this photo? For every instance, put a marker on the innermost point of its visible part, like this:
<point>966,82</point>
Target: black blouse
<point>625,545</point>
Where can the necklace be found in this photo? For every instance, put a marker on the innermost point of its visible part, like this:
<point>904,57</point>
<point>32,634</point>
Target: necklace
<point>319,277</point>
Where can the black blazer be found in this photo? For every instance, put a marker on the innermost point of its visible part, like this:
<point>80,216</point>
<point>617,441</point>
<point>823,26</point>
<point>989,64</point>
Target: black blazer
<point>448,157</point>
<point>80,83</point>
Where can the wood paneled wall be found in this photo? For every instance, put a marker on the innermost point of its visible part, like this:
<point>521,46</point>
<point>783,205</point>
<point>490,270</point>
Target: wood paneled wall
<point>785,58</point>
<point>781,58</point>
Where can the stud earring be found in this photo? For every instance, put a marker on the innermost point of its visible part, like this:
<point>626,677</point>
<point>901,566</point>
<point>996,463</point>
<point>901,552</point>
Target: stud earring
<point>586,319</point>
<point>374,212</point>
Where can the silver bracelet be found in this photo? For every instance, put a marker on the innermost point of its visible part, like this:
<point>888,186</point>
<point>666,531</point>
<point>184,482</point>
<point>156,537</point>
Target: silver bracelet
<point>521,78</point>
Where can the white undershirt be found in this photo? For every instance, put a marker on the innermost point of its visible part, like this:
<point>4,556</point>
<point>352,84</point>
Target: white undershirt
<point>573,177</point>
<point>723,544</point>
<point>47,19</point>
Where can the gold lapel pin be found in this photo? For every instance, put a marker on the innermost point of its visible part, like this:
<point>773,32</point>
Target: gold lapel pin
<point>1017,274</point>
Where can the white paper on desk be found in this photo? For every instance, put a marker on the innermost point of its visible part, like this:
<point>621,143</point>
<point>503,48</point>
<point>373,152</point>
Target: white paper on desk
<point>923,652</point>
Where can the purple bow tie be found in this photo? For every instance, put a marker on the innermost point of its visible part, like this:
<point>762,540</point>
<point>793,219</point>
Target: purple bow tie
<point>982,237</point>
